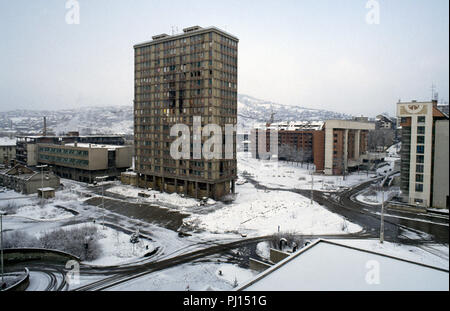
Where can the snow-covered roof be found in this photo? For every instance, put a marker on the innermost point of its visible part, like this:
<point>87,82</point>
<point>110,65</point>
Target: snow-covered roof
<point>326,265</point>
<point>292,125</point>
<point>87,145</point>
<point>6,141</point>
<point>45,189</point>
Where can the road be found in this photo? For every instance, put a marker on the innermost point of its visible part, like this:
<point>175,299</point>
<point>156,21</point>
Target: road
<point>399,226</point>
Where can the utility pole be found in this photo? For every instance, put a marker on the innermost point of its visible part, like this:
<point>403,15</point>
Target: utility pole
<point>382,216</point>
<point>102,179</point>
<point>312,187</point>
<point>1,242</point>
<point>42,182</point>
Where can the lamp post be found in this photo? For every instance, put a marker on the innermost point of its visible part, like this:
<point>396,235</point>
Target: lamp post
<point>102,179</point>
<point>382,216</point>
<point>1,242</point>
<point>42,181</point>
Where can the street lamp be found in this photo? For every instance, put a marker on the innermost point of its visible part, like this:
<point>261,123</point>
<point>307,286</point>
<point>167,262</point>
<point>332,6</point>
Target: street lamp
<point>102,179</point>
<point>1,242</point>
<point>382,216</point>
<point>42,181</point>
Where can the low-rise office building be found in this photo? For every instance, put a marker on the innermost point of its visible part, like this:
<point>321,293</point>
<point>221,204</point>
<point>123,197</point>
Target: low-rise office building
<point>83,161</point>
<point>27,152</point>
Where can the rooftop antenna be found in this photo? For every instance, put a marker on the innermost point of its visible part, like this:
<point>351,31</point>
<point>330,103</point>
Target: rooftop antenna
<point>172,30</point>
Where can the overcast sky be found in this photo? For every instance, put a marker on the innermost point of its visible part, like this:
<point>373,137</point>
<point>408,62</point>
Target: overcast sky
<point>310,53</point>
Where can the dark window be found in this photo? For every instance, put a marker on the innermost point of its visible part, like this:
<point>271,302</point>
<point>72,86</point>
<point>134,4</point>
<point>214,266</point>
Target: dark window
<point>419,168</point>
<point>420,139</point>
<point>421,130</point>
<point>419,187</point>
<point>420,149</point>
<point>419,178</point>
<point>421,119</point>
<point>419,158</point>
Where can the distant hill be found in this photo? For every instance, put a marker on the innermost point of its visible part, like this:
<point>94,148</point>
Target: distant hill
<point>252,110</point>
<point>119,119</point>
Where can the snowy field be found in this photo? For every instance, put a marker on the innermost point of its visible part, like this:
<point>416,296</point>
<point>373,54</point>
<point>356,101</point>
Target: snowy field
<point>288,175</point>
<point>115,246</point>
<point>29,206</point>
<point>257,212</point>
<point>206,276</point>
<point>156,197</point>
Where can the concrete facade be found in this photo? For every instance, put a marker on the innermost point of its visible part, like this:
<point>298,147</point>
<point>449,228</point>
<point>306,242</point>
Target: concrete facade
<point>441,166</point>
<point>418,147</point>
<point>333,146</point>
<point>84,162</point>
<point>7,154</point>
<point>177,78</point>
<point>344,141</point>
<point>25,180</point>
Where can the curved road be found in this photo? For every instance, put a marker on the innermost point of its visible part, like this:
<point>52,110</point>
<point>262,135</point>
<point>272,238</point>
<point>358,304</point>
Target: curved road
<point>398,226</point>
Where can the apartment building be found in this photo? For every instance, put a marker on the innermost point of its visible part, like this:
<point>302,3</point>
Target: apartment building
<point>424,154</point>
<point>178,78</point>
<point>7,151</point>
<point>334,146</point>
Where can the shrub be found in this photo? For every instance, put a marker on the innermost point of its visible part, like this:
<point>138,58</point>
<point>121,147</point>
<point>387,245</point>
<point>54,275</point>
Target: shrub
<point>74,241</point>
<point>19,239</point>
<point>9,207</point>
<point>291,238</point>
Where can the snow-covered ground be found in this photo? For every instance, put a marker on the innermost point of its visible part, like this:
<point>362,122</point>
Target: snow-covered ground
<point>156,197</point>
<point>259,212</point>
<point>115,246</point>
<point>29,206</point>
<point>394,150</point>
<point>373,197</point>
<point>286,175</point>
<point>194,277</point>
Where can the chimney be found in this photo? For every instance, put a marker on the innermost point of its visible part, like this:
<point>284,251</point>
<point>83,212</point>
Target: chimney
<point>45,127</point>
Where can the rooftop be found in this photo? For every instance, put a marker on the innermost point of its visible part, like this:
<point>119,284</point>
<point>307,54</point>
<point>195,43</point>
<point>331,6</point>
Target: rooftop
<point>186,33</point>
<point>87,145</point>
<point>325,265</point>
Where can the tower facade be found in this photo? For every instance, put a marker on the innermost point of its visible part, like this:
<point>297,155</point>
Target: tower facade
<point>418,126</point>
<point>185,79</point>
